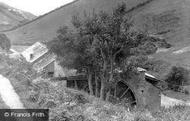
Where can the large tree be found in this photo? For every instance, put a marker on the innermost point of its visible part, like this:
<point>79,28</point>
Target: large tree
<point>101,43</point>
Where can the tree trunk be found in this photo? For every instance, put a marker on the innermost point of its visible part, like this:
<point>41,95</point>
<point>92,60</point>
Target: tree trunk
<point>76,85</point>
<point>110,80</point>
<point>115,91</point>
<point>97,86</point>
<point>102,91</point>
<point>103,78</point>
<point>90,83</point>
<point>111,74</point>
<point>108,95</point>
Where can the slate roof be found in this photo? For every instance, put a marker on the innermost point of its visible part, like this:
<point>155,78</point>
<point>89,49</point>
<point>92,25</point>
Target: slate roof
<point>36,50</point>
<point>42,63</point>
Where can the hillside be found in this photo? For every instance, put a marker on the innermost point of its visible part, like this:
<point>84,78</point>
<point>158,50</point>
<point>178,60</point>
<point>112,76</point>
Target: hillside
<point>169,19</point>
<point>11,17</point>
<point>44,28</point>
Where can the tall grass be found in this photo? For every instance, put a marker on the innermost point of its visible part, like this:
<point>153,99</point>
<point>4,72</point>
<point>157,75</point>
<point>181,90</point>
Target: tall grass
<point>71,105</point>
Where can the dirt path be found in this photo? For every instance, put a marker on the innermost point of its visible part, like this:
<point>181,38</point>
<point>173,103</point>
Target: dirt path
<point>8,94</point>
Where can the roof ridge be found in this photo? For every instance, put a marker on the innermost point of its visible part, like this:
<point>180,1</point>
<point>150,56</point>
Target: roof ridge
<point>30,50</point>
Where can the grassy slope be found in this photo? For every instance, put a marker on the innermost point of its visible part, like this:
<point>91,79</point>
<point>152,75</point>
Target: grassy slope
<point>69,104</point>
<point>170,15</point>
<point>72,105</point>
<point>44,28</point>
<point>9,19</point>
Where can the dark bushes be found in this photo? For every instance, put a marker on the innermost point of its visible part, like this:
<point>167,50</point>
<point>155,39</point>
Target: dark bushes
<point>177,77</point>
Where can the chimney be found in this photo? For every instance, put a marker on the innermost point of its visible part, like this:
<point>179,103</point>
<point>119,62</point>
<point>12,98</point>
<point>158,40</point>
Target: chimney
<point>31,56</point>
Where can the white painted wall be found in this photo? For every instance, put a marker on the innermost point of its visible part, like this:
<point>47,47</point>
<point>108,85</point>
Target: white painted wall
<point>170,102</point>
<point>62,72</point>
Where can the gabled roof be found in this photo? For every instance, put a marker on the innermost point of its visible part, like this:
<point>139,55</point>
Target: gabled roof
<point>42,63</point>
<point>34,52</point>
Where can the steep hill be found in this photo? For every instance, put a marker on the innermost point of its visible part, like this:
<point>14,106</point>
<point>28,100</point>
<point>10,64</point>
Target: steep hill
<point>169,19</point>
<point>44,28</point>
<point>11,17</point>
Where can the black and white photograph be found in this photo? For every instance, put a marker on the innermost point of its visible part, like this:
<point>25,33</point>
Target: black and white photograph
<point>94,60</point>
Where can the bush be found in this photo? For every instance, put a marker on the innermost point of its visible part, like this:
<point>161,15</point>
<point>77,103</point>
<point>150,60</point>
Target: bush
<point>5,43</point>
<point>177,77</point>
<point>186,92</point>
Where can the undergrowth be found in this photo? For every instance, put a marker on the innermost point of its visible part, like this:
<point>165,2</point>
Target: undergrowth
<point>71,105</point>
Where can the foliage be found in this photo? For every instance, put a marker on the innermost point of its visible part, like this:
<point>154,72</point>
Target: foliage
<point>101,43</point>
<point>75,105</point>
<point>176,113</point>
<point>72,105</point>
<point>158,67</point>
<point>177,78</point>
<point>186,92</point>
<point>20,74</point>
<point>5,43</point>
<point>16,67</point>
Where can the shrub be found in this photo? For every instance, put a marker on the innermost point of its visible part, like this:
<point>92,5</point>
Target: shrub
<point>186,92</point>
<point>81,99</point>
<point>5,43</point>
<point>177,77</point>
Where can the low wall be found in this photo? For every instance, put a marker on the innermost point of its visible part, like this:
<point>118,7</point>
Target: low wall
<point>170,102</point>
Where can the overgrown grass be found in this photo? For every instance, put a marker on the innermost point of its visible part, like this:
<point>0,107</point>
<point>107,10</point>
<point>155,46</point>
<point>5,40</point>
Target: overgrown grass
<point>71,105</point>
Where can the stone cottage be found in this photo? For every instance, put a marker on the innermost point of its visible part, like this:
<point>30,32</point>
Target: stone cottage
<point>40,58</point>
